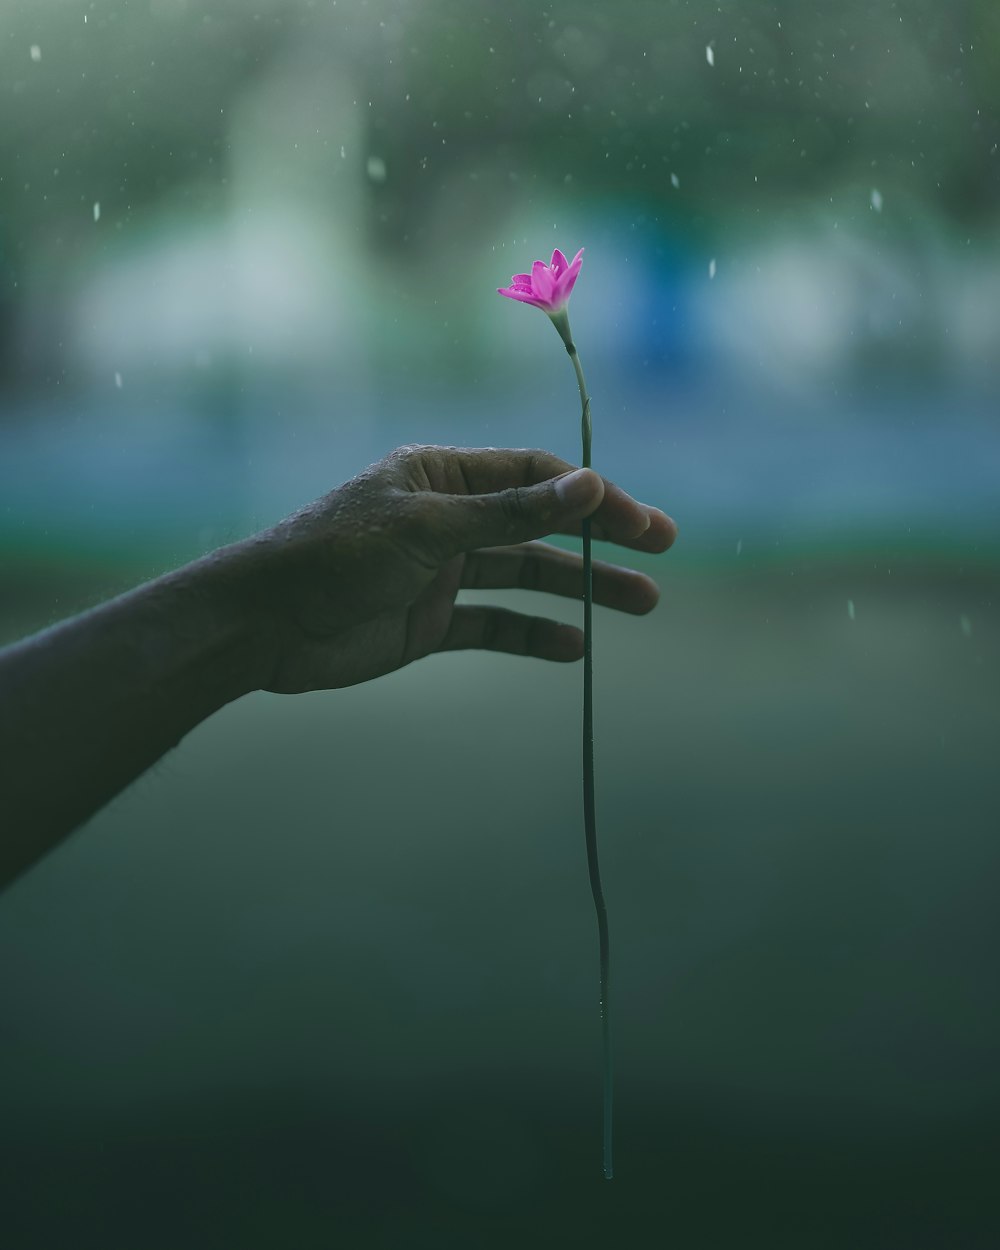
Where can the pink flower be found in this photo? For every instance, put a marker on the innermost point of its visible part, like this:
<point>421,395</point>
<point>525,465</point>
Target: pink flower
<point>548,287</point>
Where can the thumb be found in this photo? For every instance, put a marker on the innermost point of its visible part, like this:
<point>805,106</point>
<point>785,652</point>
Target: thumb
<point>521,513</point>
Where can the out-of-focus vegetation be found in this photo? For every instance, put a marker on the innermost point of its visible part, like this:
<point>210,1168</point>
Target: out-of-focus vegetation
<point>407,140</point>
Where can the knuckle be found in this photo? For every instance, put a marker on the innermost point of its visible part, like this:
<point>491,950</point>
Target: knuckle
<point>406,457</point>
<point>425,466</point>
<point>534,634</point>
<point>411,464</point>
<point>493,625</point>
<point>512,502</point>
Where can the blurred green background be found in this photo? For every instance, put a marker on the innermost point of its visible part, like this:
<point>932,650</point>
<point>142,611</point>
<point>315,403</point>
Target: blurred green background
<point>328,974</point>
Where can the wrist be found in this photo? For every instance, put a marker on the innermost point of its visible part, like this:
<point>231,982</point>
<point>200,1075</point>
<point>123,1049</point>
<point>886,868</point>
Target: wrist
<point>227,606</point>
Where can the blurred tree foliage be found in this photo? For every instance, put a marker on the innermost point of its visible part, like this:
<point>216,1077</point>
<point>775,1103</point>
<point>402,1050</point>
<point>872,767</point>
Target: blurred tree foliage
<point>125,103</point>
<point>622,99</point>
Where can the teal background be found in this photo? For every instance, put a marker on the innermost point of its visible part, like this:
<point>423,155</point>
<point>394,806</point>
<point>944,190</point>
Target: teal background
<point>327,975</point>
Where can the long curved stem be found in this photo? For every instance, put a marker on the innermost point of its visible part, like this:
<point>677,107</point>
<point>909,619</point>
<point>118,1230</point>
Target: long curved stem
<point>589,812</point>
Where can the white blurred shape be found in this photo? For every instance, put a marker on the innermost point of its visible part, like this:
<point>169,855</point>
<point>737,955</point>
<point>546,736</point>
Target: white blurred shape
<point>974,328</point>
<point>785,311</point>
<point>267,284</point>
<point>280,278</point>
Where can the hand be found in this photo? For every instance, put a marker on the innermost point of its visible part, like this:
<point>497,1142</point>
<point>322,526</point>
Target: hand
<point>364,581</point>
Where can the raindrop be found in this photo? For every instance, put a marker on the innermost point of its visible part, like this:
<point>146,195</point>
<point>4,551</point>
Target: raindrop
<point>675,182</point>
<point>966,625</point>
<point>118,379</point>
<point>97,210</point>
<point>739,545</point>
<point>36,52</point>
<point>709,54</point>
<point>850,608</point>
<point>876,199</point>
<point>376,169</point>
<point>711,268</point>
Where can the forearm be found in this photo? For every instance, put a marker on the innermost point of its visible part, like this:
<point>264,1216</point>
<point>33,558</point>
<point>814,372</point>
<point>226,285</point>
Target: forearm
<point>87,706</point>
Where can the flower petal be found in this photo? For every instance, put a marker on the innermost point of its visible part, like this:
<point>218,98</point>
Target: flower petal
<point>547,286</point>
<point>568,280</point>
<point>520,293</point>
<point>542,281</point>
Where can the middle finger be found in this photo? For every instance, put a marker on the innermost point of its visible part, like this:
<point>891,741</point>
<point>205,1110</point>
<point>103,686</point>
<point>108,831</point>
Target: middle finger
<point>540,566</point>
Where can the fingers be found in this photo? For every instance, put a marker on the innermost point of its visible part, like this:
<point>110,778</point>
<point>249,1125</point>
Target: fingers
<point>481,470</point>
<point>515,514</point>
<point>507,476</point>
<point>497,629</point>
<point>660,535</point>
<point>540,566</point>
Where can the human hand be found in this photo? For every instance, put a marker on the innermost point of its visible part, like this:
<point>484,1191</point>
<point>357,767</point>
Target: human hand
<point>364,580</point>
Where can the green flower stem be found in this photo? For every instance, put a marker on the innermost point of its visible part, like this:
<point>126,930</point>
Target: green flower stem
<point>589,813</point>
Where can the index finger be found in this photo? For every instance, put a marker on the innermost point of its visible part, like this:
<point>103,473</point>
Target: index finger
<point>484,470</point>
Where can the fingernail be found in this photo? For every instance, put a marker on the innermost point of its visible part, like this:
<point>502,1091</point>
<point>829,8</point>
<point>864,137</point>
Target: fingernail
<point>575,489</point>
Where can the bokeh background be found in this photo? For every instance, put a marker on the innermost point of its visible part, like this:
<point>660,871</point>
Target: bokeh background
<point>328,975</point>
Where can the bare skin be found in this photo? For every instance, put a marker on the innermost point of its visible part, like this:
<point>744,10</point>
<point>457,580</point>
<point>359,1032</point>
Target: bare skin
<point>358,584</point>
